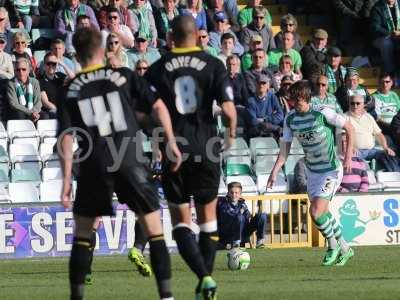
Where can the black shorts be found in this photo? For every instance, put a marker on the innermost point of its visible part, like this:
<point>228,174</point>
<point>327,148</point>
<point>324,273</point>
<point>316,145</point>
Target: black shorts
<point>197,179</point>
<point>134,187</point>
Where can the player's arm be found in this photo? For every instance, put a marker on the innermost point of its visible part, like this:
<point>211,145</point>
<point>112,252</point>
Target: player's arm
<point>230,119</point>
<point>161,114</point>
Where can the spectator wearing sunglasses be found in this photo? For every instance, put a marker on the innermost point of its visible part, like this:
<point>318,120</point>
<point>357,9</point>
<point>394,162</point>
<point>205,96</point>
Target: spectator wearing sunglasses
<point>203,39</point>
<point>114,26</point>
<point>142,51</point>
<point>6,64</point>
<point>321,97</point>
<point>116,56</point>
<point>51,83</point>
<point>367,132</point>
<point>258,27</point>
<point>245,16</point>
<point>288,24</point>
<point>387,102</point>
<point>23,93</point>
<point>125,15</point>
<point>141,67</point>
<point>4,25</point>
<point>21,50</point>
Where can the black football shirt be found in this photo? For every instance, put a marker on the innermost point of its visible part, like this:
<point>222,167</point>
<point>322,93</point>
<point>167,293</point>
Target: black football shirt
<point>100,103</point>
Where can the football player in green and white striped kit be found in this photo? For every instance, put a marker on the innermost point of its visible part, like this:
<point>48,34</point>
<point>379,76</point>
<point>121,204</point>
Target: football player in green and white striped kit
<point>315,128</point>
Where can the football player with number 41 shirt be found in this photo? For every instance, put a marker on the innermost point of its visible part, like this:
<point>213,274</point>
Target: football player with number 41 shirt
<point>188,80</point>
<point>99,104</point>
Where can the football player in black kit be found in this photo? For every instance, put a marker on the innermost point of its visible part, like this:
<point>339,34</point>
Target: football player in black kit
<point>188,80</point>
<point>99,101</point>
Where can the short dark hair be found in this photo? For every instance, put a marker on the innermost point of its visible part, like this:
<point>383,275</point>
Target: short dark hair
<point>81,17</point>
<point>234,184</point>
<point>112,9</point>
<point>300,89</point>
<point>384,75</point>
<point>227,36</point>
<point>183,26</point>
<point>48,54</point>
<point>57,41</point>
<point>86,42</point>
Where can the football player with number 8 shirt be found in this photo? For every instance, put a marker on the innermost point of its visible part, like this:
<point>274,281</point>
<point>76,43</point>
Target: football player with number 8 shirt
<point>99,103</point>
<point>315,129</point>
<point>188,80</point>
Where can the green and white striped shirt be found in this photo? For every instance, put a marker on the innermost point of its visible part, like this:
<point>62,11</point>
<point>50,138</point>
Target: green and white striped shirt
<point>315,131</point>
<point>386,106</point>
<point>24,6</point>
<point>329,101</point>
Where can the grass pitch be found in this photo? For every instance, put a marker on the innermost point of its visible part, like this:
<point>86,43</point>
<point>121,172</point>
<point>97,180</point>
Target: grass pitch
<point>374,273</point>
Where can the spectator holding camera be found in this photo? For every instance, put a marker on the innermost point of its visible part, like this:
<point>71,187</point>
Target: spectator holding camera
<point>235,223</point>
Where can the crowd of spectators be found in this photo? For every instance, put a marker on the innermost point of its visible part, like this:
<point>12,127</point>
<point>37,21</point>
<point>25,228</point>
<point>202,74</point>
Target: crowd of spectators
<point>261,65</point>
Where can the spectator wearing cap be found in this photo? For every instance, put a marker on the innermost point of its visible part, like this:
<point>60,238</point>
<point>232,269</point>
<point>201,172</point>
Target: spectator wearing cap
<point>203,39</point>
<point>227,45</point>
<point>353,87</point>
<point>125,15</point>
<point>265,111</point>
<point>288,24</point>
<point>23,93</point>
<point>220,29</point>
<point>195,9</point>
<point>145,19</point>
<point>387,102</point>
<point>142,51</point>
<point>348,13</point>
<point>4,23</point>
<point>24,13</point>
<point>245,16</point>
<point>285,101</point>
<point>275,55</point>
<point>65,21</point>
<point>285,69</point>
<point>247,59</point>
<point>258,27</point>
<point>218,6</point>
<point>366,132</point>
<point>257,68</point>
<point>163,18</point>
<point>6,64</point>
<point>321,97</point>
<point>313,55</point>
<point>385,31</point>
<point>334,69</point>
<point>114,26</point>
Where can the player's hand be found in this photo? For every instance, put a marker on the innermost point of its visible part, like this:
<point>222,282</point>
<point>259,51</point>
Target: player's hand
<point>66,194</point>
<point>347,165</point>
<point>177,159</point>
<point>271,181</point>
<point>390,152</point>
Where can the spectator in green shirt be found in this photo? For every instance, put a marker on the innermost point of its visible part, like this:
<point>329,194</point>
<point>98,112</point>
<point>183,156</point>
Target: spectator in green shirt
<point>287,49</point>
<point>246,14</point>
<point>387,102</point>
<point>203,43</point>
<point>322,98</point>
<point>247,58</point>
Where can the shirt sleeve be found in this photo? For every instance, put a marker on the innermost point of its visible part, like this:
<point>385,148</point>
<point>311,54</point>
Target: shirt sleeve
<point>333,118</point>
<point>287,133</point>
<point>375,128</point>
<point>222,86</point>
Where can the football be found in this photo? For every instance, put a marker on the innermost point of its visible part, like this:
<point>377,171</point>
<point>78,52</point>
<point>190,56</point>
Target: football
<point>238,260</point>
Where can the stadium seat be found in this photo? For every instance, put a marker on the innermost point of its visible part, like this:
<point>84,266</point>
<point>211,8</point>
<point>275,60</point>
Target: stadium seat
<point>47,128</point>
<point>24,175</point>
<point>264,164</point>
<point>49,174</point>
<point>49,158</point>
<point>291,163</point>
<point>47,33</point>
<point>263,146</point>
<point>22,130</point>
<point>248,185</point>
<point>373,185</point>
<point>24,156</point>
<point>243,160</point>
<point>39,55</point>
<point>222,190</point>
<point>389,180</point>
<point>3,136</point>
<point>280,185</point>
<point>50,191</point>
<point>22,192</point>
<point>238,148</point>
<point>237,169</point>
<point>4,170</point>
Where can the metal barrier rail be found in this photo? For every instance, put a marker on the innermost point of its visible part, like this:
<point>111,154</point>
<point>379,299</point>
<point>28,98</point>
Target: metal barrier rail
<point>287,237</point>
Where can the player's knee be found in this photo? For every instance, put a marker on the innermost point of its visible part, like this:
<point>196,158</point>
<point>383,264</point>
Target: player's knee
<point>316,211</point>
